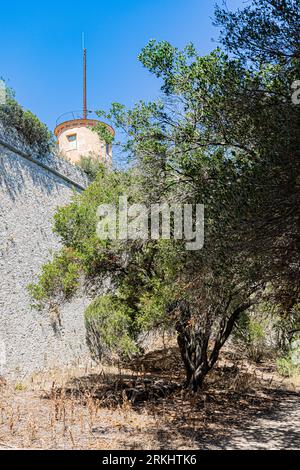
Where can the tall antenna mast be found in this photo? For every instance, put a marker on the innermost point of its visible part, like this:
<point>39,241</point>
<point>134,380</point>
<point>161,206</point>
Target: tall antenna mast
<point>84,79</point>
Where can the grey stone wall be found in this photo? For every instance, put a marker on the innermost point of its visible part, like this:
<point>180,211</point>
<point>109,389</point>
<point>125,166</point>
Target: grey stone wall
<point>29,196</point>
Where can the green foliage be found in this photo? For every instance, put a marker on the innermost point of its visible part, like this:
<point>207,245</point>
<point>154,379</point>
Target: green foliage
<point>139,303</point>
<point>264,31</point>
<point>83,253</point>
<point>103,131</point>
<point>110,321</point>
<point>27,124</point>
<point>288,327</point>
<point>59,277</point>
<point>153,305</point>
<point>251,334</point>
<point>226,134</point>
<point>76,223</point>
<point>289,365</point>
<point>91,166</point>
<point>267,331</point>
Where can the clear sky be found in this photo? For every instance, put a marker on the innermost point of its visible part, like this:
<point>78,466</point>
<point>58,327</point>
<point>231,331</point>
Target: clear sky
<point>41,55</point>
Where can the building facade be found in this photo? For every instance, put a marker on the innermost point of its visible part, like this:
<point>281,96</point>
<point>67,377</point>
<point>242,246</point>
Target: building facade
<point>76,138</point>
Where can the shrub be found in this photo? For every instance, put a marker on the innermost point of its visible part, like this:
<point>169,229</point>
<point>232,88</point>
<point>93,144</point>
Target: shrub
<point>109,324</point>
<point>25,123</point>
<point>250,335</point>
<point>84,253</point>
<point>289,365</point>
<point>59,278</point>
<point>90,166</point>
<point>286,367</point>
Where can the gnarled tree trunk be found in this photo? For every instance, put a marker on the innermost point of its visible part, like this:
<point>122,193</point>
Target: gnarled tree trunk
<point>193,341</point>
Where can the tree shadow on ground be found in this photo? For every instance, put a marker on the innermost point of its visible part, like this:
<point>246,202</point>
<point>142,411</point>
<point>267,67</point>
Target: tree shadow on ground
<point>234,421</point>
<point>234,410</point>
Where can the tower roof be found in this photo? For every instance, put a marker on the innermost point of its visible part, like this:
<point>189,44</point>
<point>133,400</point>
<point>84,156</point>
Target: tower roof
<point>70,124</point>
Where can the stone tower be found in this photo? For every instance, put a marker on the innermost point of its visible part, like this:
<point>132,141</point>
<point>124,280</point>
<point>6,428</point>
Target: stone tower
<point>76,137</point>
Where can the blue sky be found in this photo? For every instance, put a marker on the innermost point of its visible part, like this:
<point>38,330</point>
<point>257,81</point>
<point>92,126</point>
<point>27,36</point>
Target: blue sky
<point>41,59</point>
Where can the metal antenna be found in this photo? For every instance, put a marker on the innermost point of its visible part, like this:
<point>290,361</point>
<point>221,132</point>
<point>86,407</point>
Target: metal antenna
<point>84,79</point>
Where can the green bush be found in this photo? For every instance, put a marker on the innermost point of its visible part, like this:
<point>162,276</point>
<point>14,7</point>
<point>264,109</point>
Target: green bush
<point>83,253</point>
<point>90,166</point>
<point>60,277</point>
<point>109,324</point>
<point>26,123</point>
<point>289,365</point>
<point>286,367</point>
<point>250,334</point>
<point>256,341</point>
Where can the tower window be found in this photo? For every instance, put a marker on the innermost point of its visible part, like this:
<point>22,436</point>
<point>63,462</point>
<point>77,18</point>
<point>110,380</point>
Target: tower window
<point>107,149</point>
<point>72,137</point>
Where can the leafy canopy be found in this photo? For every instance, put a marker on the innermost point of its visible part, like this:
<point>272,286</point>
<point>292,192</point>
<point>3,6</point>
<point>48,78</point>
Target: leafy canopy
<point>226,134</point>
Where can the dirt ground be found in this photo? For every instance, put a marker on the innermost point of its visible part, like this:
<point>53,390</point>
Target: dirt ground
<point>242,406</point>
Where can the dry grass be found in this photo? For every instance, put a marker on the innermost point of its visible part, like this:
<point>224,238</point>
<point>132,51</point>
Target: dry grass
<point>141,407</point>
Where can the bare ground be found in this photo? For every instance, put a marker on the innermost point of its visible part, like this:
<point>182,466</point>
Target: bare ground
<point>277,430</point>
<point>242,406</point>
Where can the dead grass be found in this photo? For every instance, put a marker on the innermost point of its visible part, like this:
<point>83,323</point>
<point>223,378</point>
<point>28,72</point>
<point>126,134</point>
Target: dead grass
<point>140,407</point>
